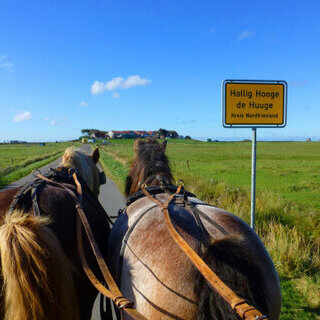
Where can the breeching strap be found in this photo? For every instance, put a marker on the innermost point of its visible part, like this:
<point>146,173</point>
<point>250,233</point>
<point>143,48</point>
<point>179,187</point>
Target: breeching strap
<point>113,292</point>
<point>240,306</point>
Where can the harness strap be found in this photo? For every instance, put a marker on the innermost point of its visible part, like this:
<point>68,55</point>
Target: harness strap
<point>125,240</point>
<point>113,292</point>
<point>200,213</point>
<point>204,232</point>
<point>18,196</point>
<point>156,190</point>
<point>35,189</point>
<point>239,305</point>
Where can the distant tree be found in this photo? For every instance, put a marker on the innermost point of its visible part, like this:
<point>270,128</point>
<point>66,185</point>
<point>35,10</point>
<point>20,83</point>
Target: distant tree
<point>89,132</point>
<point>173,134</point>
<point>187,137</point>
<point>162,133</point>
<point>209,140</point>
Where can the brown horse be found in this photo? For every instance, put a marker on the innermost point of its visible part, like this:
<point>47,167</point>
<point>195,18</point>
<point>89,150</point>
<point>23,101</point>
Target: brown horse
<point>154,272</point>
<point>42,276</point>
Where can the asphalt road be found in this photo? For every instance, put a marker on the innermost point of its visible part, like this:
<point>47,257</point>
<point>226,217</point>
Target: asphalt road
<point>110,197</point>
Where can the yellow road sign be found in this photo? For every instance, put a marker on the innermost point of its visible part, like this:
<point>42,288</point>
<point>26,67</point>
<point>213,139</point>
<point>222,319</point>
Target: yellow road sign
<point>254,104</point>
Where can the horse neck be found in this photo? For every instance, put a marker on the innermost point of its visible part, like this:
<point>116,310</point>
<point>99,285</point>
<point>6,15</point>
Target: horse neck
<point>145,174</point>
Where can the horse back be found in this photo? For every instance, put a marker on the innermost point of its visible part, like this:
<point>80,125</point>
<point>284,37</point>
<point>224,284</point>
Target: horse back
<point>152,270</point>
<point>155,273</point>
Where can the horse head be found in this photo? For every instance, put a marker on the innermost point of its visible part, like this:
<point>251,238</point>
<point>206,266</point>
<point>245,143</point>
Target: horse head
<point>87,166</point>
<point>149,167</point>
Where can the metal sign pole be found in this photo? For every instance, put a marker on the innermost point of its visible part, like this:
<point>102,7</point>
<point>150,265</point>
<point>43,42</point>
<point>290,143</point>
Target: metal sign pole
<point>253,177</point>
<point>242,107</point>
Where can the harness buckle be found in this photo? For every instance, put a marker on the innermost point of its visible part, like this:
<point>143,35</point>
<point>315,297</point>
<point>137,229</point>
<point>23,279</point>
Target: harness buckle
<point>180,182</point>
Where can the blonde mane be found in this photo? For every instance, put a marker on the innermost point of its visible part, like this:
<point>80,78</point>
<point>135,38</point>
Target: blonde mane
<point>84,166</point>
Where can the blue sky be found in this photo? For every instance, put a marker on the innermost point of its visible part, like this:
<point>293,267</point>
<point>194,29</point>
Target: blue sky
<point>69,65</point>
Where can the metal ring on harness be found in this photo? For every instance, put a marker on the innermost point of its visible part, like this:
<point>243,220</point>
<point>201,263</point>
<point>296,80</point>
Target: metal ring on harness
<point>142,184</point>
<point>36,172</point>
<point>71,171</point>
<point>180,182</point>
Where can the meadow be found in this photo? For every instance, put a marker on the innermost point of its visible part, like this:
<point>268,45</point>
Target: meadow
<point>287,207</point>
<point>18,160</point>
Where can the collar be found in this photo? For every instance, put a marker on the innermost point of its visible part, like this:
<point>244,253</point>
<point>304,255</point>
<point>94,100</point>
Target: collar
<point>153,190</point>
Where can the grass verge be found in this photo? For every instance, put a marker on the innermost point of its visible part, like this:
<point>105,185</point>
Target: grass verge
<point>114,169</point>
<point>22,172</point>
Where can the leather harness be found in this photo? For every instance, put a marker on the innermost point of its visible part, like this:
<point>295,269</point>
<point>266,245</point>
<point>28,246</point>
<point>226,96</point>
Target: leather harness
<point>75,191</point>
<point>180,199</point>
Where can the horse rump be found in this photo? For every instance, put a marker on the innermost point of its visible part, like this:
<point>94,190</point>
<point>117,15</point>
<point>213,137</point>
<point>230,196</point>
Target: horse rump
<point>36,274</point>
<point>230,260</point>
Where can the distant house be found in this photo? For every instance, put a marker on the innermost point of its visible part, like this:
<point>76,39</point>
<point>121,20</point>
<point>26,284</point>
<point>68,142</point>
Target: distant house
<point>152,134</point>
<point>125,134</point>
<point>142,134</point>
<point>308,139</point>
<point>130,134</point>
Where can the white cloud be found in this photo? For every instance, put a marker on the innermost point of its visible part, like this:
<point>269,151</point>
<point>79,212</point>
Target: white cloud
<point>97,87</point>
<point>114,84</point>
<point>5,64</point>
<point>22,116</point>
<point>134,81</point>
<point>83,104</point>
<point>119,83</point>
<point>116,95</point>
<point>246,35</point>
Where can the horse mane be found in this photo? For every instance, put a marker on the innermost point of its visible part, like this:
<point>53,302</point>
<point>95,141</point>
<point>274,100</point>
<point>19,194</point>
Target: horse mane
<point>150,165</point>
<point>37,277</point>
<point>84,165</point>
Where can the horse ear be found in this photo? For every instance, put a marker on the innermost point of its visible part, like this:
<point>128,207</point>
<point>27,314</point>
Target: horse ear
<point>136,145</point>
<point>95,155</point>
<point>164,145</point>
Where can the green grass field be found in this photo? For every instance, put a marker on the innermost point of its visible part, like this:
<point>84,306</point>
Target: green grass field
<point>287,209</point>
<point>18,160</point>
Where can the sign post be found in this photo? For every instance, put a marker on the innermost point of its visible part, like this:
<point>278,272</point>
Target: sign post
<point>254,104</point>
<point>253,178</point>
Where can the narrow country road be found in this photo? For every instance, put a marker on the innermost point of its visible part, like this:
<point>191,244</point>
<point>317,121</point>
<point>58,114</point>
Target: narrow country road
<point>110,197</point>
